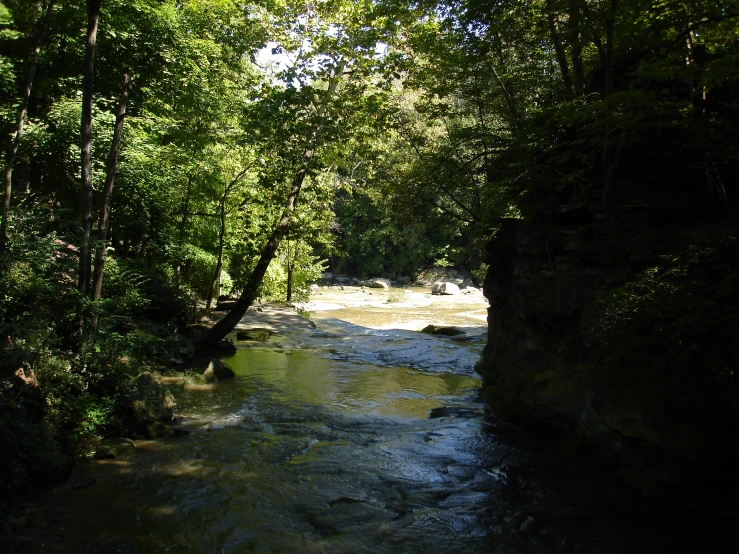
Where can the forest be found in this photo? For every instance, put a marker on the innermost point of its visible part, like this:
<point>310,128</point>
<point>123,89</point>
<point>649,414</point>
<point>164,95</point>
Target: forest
<point>163,153</point>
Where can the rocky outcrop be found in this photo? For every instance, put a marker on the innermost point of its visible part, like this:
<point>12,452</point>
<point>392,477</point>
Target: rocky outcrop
<point>541,367</point>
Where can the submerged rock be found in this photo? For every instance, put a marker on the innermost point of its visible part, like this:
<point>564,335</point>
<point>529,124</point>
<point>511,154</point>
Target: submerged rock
<point>257,334</point>
<point>447,331</point>
<point>113,447</point>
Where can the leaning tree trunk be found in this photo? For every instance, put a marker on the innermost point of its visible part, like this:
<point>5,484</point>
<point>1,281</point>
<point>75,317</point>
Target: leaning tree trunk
<point>21,117</point>
<point>249,294</point>
<point>93,14</point>
<point>97,278</point>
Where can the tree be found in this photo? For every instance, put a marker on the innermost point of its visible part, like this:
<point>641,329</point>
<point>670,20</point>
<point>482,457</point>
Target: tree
<point>97,280</point>
<point>44,26</point>
<point>329,43</point>
<point>93,15</point>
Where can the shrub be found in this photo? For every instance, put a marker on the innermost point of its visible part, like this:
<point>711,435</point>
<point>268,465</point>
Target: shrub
<point>672,334</point>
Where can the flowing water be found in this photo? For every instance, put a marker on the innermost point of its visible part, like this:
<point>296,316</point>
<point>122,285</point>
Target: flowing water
<point>361,435</point>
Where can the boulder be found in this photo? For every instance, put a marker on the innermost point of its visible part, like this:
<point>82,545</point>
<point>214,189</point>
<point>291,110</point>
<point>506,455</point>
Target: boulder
<point>445,288</point>
<point>326,280</point>
<point>377,283</point>
<point>216,371</point>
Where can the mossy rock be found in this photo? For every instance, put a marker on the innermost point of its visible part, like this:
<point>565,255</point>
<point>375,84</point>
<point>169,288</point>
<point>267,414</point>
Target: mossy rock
<point>442,330</point>
<point>257,334</point>
<point>113,447</point>
<point>216,371</point>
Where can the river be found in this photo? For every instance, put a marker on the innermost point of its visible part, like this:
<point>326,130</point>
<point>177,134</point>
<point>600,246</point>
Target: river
<point>358,435</point>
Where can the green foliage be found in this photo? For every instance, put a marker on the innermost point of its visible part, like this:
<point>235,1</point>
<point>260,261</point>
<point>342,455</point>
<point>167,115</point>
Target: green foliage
<point>306,268</point>
<point>36,289</point>
<point>481,272</point>
<point>672,333</point>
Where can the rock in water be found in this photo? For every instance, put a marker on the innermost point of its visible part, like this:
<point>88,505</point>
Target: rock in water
<point>445,287</point>
<point>442,330</point>
<point>258,334</point>
<point>217,372</point>
<point>112,447</point>
<point>378,283</point>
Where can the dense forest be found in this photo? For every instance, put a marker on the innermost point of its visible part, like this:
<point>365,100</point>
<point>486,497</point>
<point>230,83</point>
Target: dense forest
<point>161,153</point>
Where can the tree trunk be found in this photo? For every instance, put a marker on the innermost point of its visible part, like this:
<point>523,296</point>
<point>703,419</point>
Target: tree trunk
<point>93,14</point>
<point>559,49</point>
<point>290,267</point>
<point>183,226</point>
<point>97,280</point>
<point>576,39</point>
<point>219,264</point>
<point>249,294</point>
<point>21,117</point>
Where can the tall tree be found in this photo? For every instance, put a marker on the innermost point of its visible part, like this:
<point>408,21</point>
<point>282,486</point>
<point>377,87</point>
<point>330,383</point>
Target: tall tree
<point>44,27</point>
<point>97,280</point>
<point>88,80</point>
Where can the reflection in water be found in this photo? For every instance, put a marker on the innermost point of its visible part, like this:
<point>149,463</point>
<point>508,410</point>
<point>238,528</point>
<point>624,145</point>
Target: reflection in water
<point>301,376</point>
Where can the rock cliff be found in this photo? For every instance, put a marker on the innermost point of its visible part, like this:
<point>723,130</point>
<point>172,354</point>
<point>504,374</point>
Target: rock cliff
<point>543,366</point>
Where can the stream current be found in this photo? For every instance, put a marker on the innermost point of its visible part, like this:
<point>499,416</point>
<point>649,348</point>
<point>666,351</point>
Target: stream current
<point>361,435</point>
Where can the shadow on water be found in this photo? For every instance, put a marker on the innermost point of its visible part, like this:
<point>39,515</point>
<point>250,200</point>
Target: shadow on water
<point>339,439</point>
